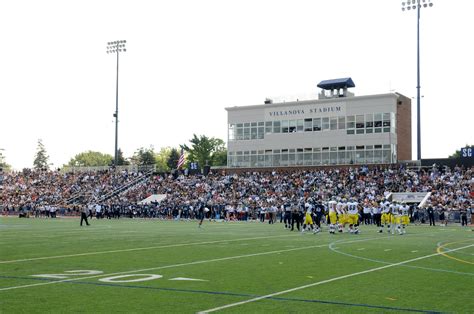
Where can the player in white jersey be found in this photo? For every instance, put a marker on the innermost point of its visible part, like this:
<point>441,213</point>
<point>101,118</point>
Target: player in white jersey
<point>404,219</point>
<point>332,215</point>
<point>353,216</point>
<point>387,217</point>
<point>341,214</point>
<point>308,219</point>
<point>394,208</point>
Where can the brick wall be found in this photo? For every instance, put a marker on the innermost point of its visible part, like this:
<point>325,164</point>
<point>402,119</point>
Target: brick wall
<point>404,148</point>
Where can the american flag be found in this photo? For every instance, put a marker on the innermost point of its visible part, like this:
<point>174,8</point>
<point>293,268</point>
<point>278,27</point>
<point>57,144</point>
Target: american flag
<point>181,159</point>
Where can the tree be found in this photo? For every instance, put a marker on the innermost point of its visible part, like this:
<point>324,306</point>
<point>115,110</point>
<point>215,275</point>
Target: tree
<point>3,163</point>
<point>220,158</point>
<point>457,154</point>
<point>204,150</point>
<point>41,161</point>
<point>121,161</point>
<point>173,158</point>
<point>91,159</point>
<point>162,159</point>
<point>143,156</point>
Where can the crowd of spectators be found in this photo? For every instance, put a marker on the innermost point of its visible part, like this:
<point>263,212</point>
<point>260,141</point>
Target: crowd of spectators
<point>231,196</point>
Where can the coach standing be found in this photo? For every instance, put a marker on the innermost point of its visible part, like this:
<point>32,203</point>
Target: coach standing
<point>84,213</point>
<point>430,211</point>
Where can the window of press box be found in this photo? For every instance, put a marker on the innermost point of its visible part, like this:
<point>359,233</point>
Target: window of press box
<point>268,127</point>
<point>299,125</point>
<point>291,126</point>
<point>276,127</point>
<point>317,124</point>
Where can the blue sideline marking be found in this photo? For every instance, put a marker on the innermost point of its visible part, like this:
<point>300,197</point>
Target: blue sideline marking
<point>232,294</point>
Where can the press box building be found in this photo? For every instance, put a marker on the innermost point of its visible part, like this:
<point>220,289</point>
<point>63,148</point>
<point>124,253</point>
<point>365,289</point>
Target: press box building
<point>338,128</point>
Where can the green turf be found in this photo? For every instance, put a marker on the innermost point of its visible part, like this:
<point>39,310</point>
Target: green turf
<point>237,262</point>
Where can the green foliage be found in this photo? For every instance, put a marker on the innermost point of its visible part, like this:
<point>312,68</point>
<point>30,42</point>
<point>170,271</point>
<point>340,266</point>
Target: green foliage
<point>3,163</point>
<point>220,158</point>
<point>91,159</point>
<point>204,150</point>
<point>173,159</point>
<point>162,159</point>
<point>41,160</point>
<point>121,161</point>
<point>143,156</point>
<point>457,154</point>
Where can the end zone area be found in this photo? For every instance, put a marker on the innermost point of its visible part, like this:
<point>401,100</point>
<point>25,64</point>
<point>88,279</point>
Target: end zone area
<point>174,266</point>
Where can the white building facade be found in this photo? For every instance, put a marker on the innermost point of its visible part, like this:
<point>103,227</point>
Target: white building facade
<point>339,129</point>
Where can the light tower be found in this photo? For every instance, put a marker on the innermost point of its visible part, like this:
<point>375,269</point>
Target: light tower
<point>116,47</point>
<point>407,6</point>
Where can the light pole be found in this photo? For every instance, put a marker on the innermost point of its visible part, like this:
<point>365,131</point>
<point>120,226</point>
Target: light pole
<point>416,5</point>
<point>116,47</point>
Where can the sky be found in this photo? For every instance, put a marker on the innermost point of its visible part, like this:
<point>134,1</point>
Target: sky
<point>188,60</point>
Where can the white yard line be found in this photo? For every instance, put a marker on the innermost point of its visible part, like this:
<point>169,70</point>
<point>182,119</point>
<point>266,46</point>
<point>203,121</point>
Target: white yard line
<point>328,281</point>
<point>136,249</point>
<point>164,267</point>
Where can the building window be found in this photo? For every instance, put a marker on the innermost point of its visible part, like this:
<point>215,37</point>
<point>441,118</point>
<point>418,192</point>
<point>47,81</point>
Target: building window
<point>325,158</point>
<point>386,122</point>
<point>268,158</point>
<point>253,133</point>
<point>342,123</point>
<point>246,133</point>
<point>317,124</point>
<point>359,121</point>
<point>299,157</point>
<point>292,126</point>
<point>308,156</point>
<point>239,135</point>
<point>333,124</point>
<point>333,158</point>
<point>369,123</point>
<point>276,127</point>
<point>350,122</point>
<point>378,123</point>
<point>308,125</point>
<point>268,127</point>
<point>316,159</point>
<point>299,125</point>
<point>260,160</point>
<point>285,126</point>
<point>231,132</point>
<point>325,124</point>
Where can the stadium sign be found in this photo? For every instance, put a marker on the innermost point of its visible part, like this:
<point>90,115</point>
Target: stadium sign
<point>409,197</point>
<point>467,152</point>
<point>306,111</point>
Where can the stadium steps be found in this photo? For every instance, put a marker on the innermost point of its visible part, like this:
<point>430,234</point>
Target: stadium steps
<point>127,186</point>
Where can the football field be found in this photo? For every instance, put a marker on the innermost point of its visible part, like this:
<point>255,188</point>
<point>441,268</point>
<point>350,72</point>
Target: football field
<point>154,266</point>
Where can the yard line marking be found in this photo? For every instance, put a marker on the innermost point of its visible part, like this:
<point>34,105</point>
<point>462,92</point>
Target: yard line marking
<point>164,267</point>
<point>440,250</point>
<point>182,264</point>
<point>386,250</point>
<point>334,249</point>
<point>103,284</point>
<point>361,249</point>
<point>136,249</point>
<point>327,281</point>
<point>414,251</point>
<point>187,279</point>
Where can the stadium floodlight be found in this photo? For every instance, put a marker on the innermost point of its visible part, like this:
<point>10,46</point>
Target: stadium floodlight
<point>417,4</point>
<point>116,47</point>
